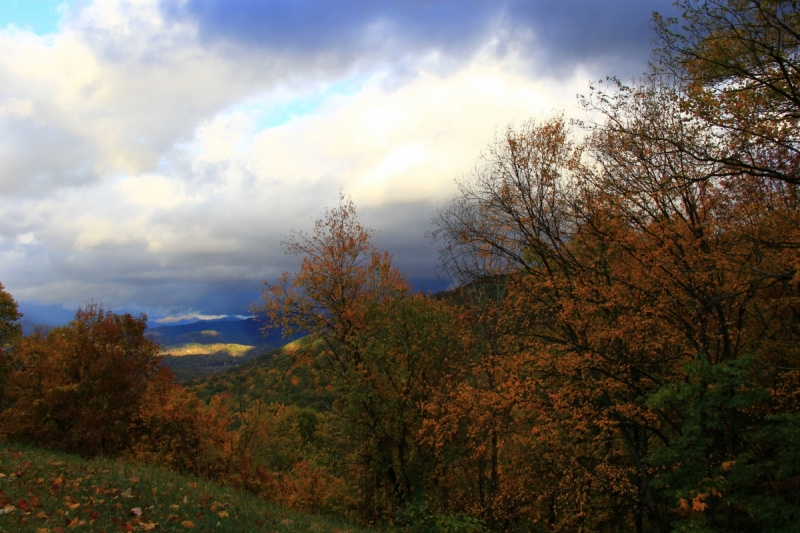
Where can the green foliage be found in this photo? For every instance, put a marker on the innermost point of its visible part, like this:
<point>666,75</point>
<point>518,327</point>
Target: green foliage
<point>274,377</point>
<point>557,389</point>
<point>391,368</point>
<point>416,518</point>
<point>197,367</point>
<point>732,464</point>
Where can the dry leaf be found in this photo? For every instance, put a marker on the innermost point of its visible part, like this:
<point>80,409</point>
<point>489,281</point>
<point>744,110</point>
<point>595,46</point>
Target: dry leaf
<point>698,505</point>
<point>188,524</point>
<point>136,511</point>
<point>223,514</point>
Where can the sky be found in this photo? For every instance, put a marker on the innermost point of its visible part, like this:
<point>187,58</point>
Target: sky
<point>154,152</point>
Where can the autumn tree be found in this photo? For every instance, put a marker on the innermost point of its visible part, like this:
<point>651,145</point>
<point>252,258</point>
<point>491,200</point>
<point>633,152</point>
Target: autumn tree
<point>341,274</point>
<point>175,428</point>
<point>78,387</point>
<point>407,346</point>
<point>517,215</point>
<point>705,261</point>
<point>738,62</point>
<point>627,269</point>
<point>10,331</point>
<point>342,296</point>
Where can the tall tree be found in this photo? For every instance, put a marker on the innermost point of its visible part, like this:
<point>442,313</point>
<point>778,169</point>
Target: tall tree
<point>339,297</point>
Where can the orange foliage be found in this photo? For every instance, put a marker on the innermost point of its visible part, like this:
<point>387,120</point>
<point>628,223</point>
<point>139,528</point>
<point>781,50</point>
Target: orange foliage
<point>79,387</point>
<point>179,430</point>
<point>341,274</point>
<point>616,271</point>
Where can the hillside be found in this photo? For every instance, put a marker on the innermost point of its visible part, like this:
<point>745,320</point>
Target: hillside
<point>205,347</point>
<point>246,332</point>
<point>272,377</point>
<point>48,491</point>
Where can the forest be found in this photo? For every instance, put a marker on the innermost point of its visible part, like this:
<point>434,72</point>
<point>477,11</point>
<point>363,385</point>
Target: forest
<point>620,350</point>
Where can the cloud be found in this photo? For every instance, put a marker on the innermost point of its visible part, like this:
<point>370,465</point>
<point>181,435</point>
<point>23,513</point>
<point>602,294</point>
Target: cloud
<point>16,108</point>
<point>614,35</point>
<point>107,95</point>
<point>202,232</point>
<point>553,36</point>
<point>190,317</point>
<point>152,156</point>
<point>347,32</point>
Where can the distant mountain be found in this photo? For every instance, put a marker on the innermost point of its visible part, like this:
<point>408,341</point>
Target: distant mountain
<point>221,331</point>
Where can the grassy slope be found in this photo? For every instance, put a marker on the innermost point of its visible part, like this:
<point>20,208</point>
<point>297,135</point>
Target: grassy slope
<point>50,492</point>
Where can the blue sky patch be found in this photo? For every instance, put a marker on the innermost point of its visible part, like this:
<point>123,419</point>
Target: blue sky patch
<point>272,116</point>
<point>38,16</point>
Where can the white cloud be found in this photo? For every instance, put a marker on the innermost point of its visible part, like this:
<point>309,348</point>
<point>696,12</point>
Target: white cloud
<point>188,316</point>
<point>138,169</point>
<point>16,108</point>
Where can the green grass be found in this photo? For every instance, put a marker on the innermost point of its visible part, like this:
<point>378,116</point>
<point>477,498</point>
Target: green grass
<point>50,492</point>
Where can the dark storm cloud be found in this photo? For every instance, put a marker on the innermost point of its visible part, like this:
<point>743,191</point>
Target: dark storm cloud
<point>615,33</point>
<point>554,35</point>
<point>403,229</point>
<point>344,27</point>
